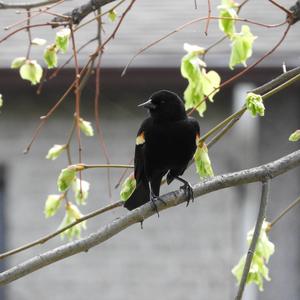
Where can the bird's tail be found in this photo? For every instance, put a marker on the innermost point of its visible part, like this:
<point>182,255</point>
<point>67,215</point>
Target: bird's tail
<point>140,196</point>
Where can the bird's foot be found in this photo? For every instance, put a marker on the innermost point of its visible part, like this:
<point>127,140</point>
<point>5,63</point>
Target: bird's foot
<point>189,191</point>
<point>153,199</point>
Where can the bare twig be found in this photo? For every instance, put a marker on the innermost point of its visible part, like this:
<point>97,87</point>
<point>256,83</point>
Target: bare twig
<point>96,106</point>
<point>28,5</point>
<point>284,212</point>
<point>287,11</point>
<point>260,218</point>
<point>61,230</point>
<point>208,17</point>
<point>191,23</point>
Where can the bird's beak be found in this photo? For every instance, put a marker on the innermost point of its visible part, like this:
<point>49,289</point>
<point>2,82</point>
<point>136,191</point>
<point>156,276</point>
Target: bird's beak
<point>148,104</point>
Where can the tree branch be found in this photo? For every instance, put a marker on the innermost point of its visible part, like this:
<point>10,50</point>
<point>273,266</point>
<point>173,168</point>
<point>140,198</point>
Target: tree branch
<point>79,13</point>
<point>26,5</point>
<point>261,216</point>
<point>261,173</point>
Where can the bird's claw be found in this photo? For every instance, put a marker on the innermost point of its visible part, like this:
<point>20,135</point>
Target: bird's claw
<point>155,198</point>
<point>189,191</point>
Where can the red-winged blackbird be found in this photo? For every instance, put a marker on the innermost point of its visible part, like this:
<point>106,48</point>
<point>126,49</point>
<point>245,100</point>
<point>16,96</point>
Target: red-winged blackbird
<point>165,144</point>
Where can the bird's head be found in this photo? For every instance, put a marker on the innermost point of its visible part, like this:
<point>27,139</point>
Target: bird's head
<point>165,106</point>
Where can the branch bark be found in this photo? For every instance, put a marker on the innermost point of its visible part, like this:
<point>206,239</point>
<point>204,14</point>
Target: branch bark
<point>261,216</point>
<point>261,173</point>
<point>80,12</point>
<point>26,5</point>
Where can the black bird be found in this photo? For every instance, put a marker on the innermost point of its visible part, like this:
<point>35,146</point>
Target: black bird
<point>165,143</point>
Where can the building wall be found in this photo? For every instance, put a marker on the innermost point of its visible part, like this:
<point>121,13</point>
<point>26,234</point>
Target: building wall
<point>187,253</point>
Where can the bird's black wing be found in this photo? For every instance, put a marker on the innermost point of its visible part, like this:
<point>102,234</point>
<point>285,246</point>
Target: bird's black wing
<point>139,155</point>
<point>142,193</point>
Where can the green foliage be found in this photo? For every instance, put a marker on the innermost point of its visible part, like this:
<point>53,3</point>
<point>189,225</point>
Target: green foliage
<point>81,190</point>
<point>72,214</point>
<point>50,56</point>
<point>242,44</point>
<point>258,269</point>
<point>227,10</point>
<point>86,127</point>
<point>32,71</point>
<point>255,104</point>
<point>52,205</point>
<point>112,15</point>
<point>62,39</point>
<point>66,178</point>
<point>18,62</point>
<point>295,136</point>
<point>201,83</point>
<point>128,187</point>
<point>38,42</point>
<point>55,151</point>
<point>202,161</point>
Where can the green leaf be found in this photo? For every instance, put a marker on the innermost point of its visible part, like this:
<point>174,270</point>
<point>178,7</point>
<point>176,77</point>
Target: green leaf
<point>62,39</point>
<point>202,161</point>
<point>128,187</point>
<point>112,15</point>
<point>211,83</point>
<point>227,10</point>
<point>255,104</point>
<point>55,151</point>
<point>194,50</point>
<point>86,127</point>
<point>52,205</point>
<point>242,44</point>
<point>18,62</point>
<point>81,190</point>
<point>200,82</point>
<point>1,100</point>
<point>38,42</point>
<point>72,214</point>
<point>295,136</point>
<point>50,56</point>
<point>31,71</point>
<point>258,270</point>
<point>66,178</point>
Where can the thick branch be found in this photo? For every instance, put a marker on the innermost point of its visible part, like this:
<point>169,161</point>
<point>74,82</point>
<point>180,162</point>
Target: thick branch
<point>263,89</point>
<point>260,173</point>
<point>295,10</point>
<point>79,13</point>
<point>26,5</point>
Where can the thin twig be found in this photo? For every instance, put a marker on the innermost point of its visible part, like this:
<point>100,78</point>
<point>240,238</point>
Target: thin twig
<point>260,218</point>
<point>25,5</point>
<point>77,100</point>
<point>36,13</point>
<point>208,16</point>
<point>29,34</point>
<point>284,212</point>
<point>96,107</point>
<point>191,23</point>
<point>55,73</point>
<point>59,231</point>
<point>123,175</point>
<point>287,11</point>
<point>246,70</point>
<point>100,166</point>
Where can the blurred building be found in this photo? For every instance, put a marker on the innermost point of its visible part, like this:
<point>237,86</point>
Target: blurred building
<point>187,253</point>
